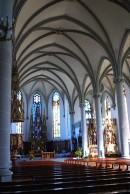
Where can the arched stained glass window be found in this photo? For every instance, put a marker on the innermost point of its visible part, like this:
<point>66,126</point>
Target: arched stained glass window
<point>68,120</point>
<point>88,109</point>
<point>19,128</point>
<point>37,107</point>
<point>108,107</point>
<point>56,115</point>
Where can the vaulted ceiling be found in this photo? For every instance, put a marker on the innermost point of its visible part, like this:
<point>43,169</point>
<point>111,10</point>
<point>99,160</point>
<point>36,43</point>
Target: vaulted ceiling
<point>74,46</point>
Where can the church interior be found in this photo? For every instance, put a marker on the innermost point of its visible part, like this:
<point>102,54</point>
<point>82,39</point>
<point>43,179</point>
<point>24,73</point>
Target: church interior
<point>65,80</point>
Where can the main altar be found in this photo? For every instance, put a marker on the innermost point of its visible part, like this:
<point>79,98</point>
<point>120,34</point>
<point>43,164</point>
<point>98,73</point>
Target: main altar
<point>38,134</point>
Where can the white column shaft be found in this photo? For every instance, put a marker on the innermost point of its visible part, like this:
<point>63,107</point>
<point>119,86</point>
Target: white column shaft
<point>99,128</point>
<point>5,100</point>
<point>123,120</point>
<point>84,132</point>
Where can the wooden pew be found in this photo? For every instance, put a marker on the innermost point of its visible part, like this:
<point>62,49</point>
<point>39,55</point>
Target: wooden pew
<point>101,163</point>
<point>68,188</point>
<point>31,172</point>
<point>64,178</point>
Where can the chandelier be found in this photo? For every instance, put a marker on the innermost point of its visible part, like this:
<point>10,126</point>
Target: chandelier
<point>17,110</point>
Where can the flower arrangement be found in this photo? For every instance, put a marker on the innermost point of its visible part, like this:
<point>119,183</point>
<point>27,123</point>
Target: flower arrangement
<point>31,156</point>
<point>79,153</point>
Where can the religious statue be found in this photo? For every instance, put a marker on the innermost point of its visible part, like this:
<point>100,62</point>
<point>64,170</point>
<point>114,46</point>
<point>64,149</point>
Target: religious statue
<point>92,135</point>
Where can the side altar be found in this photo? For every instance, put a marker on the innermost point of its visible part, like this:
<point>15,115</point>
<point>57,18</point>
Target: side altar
<point>110,136</point>
<point>16,141</point>
<point>92,138</point>
<point>16,145</point>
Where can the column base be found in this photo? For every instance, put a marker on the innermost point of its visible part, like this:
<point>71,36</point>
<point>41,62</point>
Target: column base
<point>125,157</point>
<point>6,178</point>
<point>84,157</point>
<point>6,175</point>
<point>101,157</point>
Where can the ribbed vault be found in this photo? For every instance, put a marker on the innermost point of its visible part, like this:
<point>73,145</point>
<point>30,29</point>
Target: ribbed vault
<point>72,46</point>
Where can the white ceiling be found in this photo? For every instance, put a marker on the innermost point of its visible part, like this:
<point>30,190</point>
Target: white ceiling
<point>73,46</point>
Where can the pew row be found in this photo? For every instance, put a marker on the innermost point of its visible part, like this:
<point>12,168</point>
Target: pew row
<point>61,178</point>
<point>123,165</point>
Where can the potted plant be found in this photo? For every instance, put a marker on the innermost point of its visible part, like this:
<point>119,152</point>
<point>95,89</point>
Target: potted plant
<point>31,156</point>
<point>79,153</point>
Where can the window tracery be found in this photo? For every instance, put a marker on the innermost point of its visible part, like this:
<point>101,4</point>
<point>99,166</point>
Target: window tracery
<point>56,115</point>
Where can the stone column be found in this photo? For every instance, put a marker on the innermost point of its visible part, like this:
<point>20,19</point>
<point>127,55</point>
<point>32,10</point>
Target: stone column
<point>5,99</point>
<point>99,127</point>
<point>71,123</point>
<point>122,117</point>
<point>84,131</point>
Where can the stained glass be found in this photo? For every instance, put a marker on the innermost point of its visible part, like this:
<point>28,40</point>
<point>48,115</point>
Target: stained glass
<point>108,108</point>
<point>88,109</point>
<point>36,114</point>
<point>56,115</point>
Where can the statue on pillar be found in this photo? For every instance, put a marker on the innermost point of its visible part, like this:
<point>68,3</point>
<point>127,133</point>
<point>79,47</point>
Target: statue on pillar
<point>92,134</point>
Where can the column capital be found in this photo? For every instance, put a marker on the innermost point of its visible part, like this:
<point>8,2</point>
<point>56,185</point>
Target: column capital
<point>118,79</point>
<point>72,112</point>
<point>113,106</point>
<point>82,104</point>
<point>97,95</point>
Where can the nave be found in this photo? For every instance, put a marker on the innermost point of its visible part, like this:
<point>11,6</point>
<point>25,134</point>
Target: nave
<point>52,176</point>
<point>64,80</point>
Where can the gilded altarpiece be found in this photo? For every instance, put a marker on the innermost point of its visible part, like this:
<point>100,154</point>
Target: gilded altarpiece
<point>16,144</point>
<point>92,138</point>
<point>110,137</point>
<point>38,128</point>
<point>110,131</point>
<point>38,139</point>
